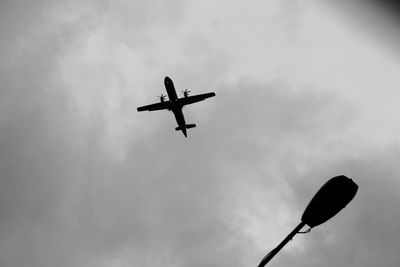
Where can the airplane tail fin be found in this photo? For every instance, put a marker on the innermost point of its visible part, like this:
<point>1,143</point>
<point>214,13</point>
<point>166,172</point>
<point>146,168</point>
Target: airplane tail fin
<point>188,126</point>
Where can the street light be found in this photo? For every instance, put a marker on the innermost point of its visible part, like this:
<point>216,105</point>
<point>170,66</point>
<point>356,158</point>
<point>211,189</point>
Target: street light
<point>332,197</point>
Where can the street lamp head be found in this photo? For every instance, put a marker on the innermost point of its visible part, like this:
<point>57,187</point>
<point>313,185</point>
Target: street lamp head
<point>332,197</point>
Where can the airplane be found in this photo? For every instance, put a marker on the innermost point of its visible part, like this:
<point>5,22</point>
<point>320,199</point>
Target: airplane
<point>176,104</point>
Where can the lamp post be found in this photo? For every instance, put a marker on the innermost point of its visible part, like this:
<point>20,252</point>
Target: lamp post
<point>332,197</point>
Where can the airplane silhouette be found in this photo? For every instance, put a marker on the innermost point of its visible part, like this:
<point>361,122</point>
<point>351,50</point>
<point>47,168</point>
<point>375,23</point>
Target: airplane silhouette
<point>176,104</point>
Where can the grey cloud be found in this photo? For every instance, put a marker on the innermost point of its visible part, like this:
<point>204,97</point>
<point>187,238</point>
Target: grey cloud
<point>64,201</point>
<point>41,156</point>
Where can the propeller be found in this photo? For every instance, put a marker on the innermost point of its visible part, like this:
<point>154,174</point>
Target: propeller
<point>162,97</point>
<point>185,93</point>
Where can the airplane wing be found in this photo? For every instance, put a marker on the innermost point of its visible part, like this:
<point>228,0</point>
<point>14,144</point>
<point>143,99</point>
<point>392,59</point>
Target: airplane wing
<point>194,98</point>
<point>156,106</point>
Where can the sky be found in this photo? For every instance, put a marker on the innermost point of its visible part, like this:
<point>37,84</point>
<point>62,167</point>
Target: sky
<point>305,91</point>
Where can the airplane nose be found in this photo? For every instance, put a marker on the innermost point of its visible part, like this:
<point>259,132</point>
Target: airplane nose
<point>167,79</point>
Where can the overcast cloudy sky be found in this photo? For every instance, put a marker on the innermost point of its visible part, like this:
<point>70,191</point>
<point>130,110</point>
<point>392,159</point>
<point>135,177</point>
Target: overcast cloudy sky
<point>305,90</point>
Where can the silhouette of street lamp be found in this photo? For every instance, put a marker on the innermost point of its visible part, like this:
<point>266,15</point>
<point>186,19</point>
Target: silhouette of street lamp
<point>332,197</point>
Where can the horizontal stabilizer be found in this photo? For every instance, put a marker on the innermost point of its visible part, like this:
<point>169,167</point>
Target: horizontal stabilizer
<point>188,126</point>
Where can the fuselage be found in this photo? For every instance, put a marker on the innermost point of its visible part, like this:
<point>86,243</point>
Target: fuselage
<point>175,107</point>
<point>169,85</point>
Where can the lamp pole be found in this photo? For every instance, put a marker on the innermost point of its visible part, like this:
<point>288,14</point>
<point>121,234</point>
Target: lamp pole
<point>333,196</point>
<point>273,252</point>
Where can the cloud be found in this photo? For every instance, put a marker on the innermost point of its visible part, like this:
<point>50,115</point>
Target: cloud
<point>63,196</point>
<point>87,181</point>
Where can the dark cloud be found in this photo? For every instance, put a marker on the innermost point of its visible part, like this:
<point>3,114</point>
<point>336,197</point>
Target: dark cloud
<point>46,158</point>
<point>379,21</point>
